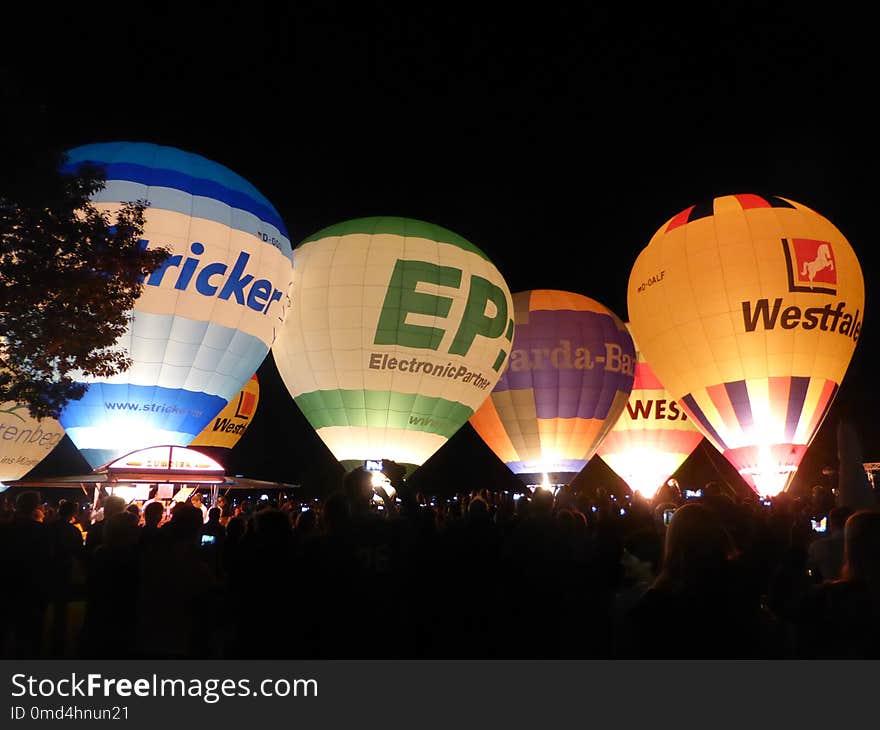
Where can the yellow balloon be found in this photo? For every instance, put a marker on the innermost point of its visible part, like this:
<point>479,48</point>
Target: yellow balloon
<point>749,310</point>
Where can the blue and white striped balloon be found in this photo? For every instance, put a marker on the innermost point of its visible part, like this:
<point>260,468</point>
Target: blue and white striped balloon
<point>206,318</point>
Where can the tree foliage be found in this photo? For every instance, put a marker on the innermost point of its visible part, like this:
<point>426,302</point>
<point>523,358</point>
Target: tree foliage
<point>69,276</point>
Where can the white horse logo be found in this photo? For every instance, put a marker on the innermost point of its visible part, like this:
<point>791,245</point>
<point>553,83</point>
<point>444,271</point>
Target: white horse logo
<point>822,261</point>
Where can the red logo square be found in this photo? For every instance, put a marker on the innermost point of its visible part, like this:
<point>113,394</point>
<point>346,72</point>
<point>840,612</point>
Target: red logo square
<point>246,404</point>
<point>813,262</point>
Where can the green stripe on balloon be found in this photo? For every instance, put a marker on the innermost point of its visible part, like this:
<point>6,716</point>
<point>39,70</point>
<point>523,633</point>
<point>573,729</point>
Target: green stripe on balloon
<point>383,409</point>
<point>406,227</point>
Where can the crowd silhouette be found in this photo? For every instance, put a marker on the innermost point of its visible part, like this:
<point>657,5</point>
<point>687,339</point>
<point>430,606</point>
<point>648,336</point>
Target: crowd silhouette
<point>487,574</point>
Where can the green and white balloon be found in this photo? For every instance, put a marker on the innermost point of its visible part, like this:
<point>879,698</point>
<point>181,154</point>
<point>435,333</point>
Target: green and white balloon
<point>397,332</point>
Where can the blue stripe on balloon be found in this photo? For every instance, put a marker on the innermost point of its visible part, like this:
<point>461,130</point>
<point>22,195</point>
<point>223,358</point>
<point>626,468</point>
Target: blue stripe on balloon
<point>738,393</point>
<point>113,405</point>
<point>797,394</point>
<point>167,158</point>
<point>153,177</point>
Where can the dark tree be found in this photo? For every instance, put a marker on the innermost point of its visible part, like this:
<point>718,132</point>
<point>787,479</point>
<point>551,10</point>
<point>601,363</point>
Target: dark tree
<point>69,275</point>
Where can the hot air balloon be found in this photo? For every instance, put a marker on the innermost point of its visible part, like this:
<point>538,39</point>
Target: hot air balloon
<point>570,374</point>
<point>228,426</point>
<point>206,318</point>
<point>24,441</point>
<point>397,332</point>
<point>652,437</point>
<point>749,309</point>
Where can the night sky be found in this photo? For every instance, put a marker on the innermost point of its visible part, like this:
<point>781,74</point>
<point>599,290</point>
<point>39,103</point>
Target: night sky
<point>557,139</point>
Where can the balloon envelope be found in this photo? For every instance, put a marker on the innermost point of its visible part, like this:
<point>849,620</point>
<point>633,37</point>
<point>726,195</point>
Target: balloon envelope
<point>226,428</point>
<point>206,318</point>
<point>749,309</point>
<point>653,435</point>
<point>570,374</point>
<point>398,330</point>
<point>24,441</point>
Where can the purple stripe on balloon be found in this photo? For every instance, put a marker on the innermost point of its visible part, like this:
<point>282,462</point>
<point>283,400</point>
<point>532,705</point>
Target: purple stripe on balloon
<point>697,414</point>
<point>797,394</point>
<point>572,361</point>
<point>739,399</point>
<point>531,467</point>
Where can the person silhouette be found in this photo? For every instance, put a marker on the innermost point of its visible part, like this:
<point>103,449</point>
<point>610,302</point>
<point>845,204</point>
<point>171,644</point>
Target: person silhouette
<point>841,618</point>
<point>697,607</point>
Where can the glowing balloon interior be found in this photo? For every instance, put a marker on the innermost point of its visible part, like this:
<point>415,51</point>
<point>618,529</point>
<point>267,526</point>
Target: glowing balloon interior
<point>228,426</point>
<point>24,441</point>
<point>206,318</point>
<point>749,310</point>
<point>570,374</point>
<point>652,437</point>
<point>398,331</point>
